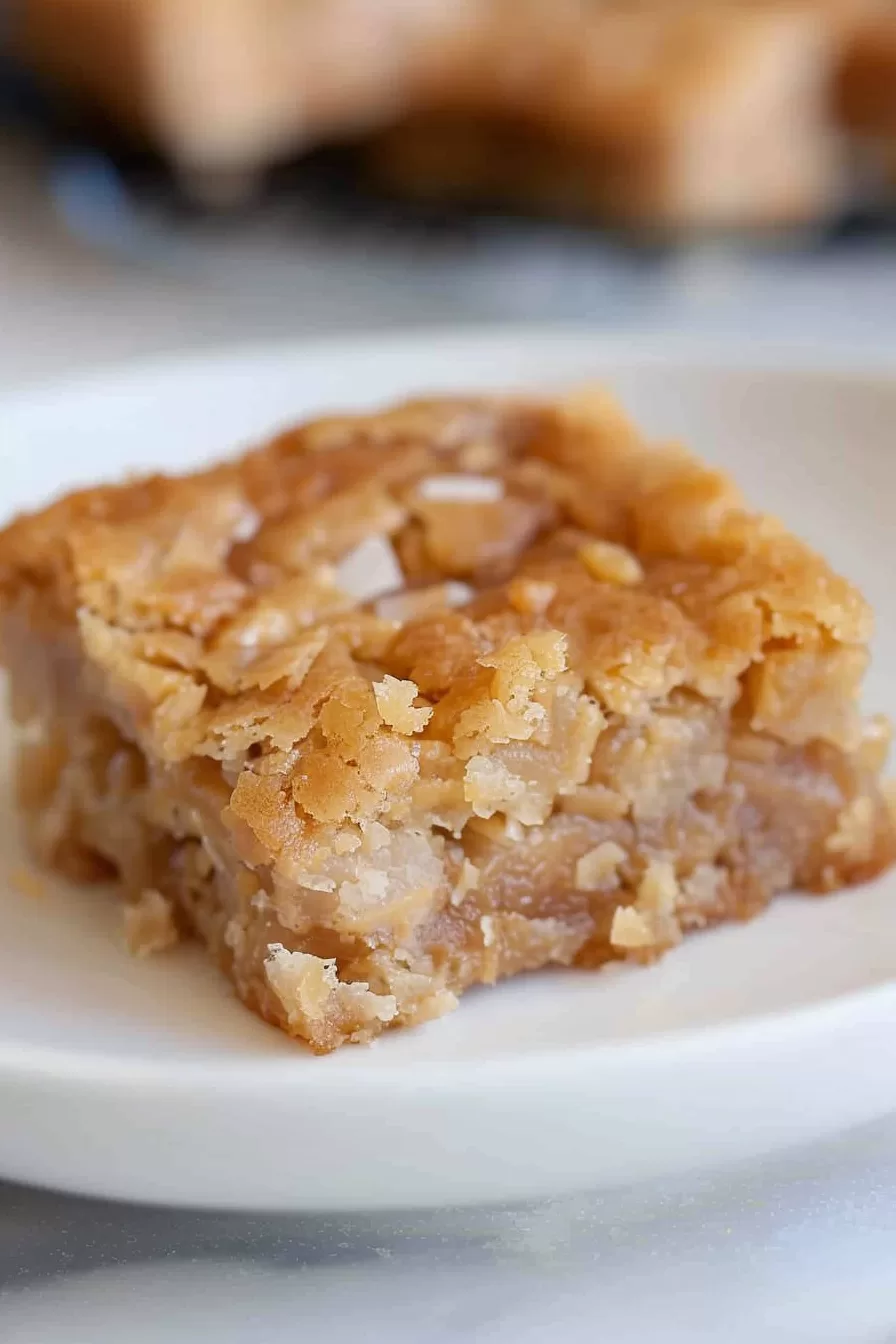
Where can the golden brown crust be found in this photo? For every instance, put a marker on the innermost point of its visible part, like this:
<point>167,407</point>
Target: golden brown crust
<point>608,703</point>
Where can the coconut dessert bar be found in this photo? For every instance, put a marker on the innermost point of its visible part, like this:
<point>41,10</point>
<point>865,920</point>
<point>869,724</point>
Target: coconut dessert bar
<point>399,704</point>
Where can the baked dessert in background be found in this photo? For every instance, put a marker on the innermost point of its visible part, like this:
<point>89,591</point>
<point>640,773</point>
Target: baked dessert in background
<point>866,91</point>
<point>225,85</point>
<point>657,113</point>
<point>651,114</point>
<point>867,77</point>
<point>404,703</point>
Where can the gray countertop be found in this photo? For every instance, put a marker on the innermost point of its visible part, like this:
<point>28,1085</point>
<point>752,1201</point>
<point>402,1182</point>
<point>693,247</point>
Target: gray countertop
<point>799,1250</point>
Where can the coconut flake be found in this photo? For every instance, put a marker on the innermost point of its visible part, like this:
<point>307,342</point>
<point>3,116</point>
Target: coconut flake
<point>370,570</point>
<point>461,489</point>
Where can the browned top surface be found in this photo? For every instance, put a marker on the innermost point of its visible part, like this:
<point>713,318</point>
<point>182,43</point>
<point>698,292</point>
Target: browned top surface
<point>589,578</point>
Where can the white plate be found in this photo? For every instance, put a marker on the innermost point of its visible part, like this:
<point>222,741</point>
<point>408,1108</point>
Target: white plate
<point>146,1080</point>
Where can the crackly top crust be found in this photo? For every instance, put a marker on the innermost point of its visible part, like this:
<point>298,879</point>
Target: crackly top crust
<point>558,574</point>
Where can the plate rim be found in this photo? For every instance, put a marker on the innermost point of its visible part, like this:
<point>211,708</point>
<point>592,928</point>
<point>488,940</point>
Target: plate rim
<point>658,346</point>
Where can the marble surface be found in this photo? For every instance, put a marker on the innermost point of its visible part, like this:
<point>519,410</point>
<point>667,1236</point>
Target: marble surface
<point>800,1249</point>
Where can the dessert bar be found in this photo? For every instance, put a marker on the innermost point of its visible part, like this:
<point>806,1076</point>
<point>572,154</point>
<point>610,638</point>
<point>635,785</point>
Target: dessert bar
<point>402,703</point>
